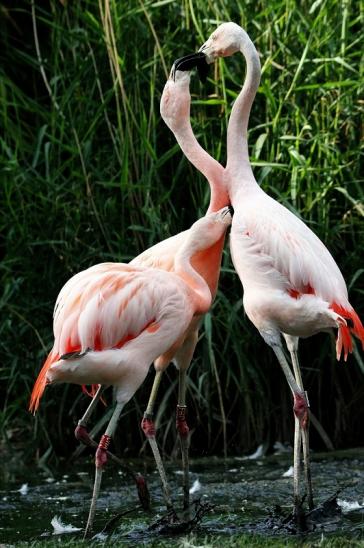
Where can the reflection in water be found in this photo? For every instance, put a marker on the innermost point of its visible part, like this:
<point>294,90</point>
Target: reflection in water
<point>244,495</point>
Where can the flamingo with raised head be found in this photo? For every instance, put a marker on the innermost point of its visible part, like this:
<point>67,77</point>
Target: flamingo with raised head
<point>292,285</point>
<point>175,111</point>
<point>113,320</point>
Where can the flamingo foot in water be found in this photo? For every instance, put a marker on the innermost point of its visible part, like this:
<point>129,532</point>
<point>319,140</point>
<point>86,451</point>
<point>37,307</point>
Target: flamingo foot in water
<point>169,525</point>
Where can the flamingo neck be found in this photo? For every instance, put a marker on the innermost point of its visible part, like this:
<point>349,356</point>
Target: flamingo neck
<point>238,163</point>
<point>184,269</point>
<point>208,262</point>
<point>208,166</point>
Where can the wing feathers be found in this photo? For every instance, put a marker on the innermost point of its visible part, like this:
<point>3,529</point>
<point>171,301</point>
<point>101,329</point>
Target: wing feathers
<point>300,262</point>
<point>296,252</point>
<point>102,308</point>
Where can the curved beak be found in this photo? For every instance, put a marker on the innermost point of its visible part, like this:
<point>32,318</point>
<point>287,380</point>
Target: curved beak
<point>204,46</point>
<point>207,50</point>
<point>188,62</point>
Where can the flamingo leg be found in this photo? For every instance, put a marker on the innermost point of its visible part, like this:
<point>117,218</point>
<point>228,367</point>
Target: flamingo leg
<point>82,435</point>
<point>81,432</point>
<point>100,461</point>
<point>300,412</point>
<point>297,464</point>
<point>183,431</point>
<point>305,424</point>
<point>149,431</point>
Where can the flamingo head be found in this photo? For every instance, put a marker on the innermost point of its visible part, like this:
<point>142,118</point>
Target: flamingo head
<point>212,226</point>
<point>223,42</point>
<point>176,100</point>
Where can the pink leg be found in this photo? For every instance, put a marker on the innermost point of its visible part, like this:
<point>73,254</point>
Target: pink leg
<point>82,435</point>
<point>81,432</point>
<point>100,462</point>
<point>148,428</point>
<point>183,432</point>
<point>300,412</point>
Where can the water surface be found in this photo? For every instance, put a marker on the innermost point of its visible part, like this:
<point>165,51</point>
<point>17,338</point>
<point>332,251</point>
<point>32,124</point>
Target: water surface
<point>243,493</point>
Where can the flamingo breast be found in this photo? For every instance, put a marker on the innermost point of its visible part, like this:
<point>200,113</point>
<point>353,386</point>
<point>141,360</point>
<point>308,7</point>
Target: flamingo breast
<point>272,247</point>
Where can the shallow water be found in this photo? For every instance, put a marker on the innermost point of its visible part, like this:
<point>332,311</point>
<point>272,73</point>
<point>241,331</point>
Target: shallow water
<point>243,492</point>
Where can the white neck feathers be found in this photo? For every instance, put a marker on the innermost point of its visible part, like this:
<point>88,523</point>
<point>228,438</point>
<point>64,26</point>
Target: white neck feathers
<point>237,141</point>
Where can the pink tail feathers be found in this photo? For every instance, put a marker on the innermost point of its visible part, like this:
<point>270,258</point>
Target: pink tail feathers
<point>344,341</point>
<point>41,382</point>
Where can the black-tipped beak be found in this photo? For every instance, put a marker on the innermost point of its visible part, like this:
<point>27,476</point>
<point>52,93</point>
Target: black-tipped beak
<point>193,60</point>
<point>231,210</point>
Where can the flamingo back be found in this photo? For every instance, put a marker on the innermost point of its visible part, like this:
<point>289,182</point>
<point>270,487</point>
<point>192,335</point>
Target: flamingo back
<point>273,248</point>
<point>109,305</point>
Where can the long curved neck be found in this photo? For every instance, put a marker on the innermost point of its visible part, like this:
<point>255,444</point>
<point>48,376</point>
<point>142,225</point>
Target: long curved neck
<point>208,166</point>
<point>184,269</point>
<point>237,135</point>
<point>208,263</point>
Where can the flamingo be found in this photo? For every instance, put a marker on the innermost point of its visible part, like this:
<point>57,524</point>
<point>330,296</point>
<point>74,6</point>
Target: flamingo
<point>292,285</point>
<point>175,111</point>
<point>113,320</point>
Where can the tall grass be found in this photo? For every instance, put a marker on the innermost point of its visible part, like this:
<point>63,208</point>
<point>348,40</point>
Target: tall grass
<point>90,173</point>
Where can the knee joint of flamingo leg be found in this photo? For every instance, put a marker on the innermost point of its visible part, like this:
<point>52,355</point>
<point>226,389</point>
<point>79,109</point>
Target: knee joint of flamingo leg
<point>148,426</point>
<point>82,435</point>
<point>301,408</point>
<point>101,452</point>
<point>181,424</point>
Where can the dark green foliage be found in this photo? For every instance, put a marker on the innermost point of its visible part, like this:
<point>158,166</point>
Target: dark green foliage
<point>90,173</point>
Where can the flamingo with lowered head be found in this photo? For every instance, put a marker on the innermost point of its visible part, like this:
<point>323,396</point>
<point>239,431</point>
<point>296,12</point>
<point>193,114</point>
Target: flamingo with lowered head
<point>113,320</point>
<point>292,285</point>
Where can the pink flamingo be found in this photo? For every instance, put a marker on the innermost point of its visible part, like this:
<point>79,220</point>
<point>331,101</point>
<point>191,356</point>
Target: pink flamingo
<point>281,260</point>
<point>175,111</point>
<point>292,285</point>
<point>113,320</point>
